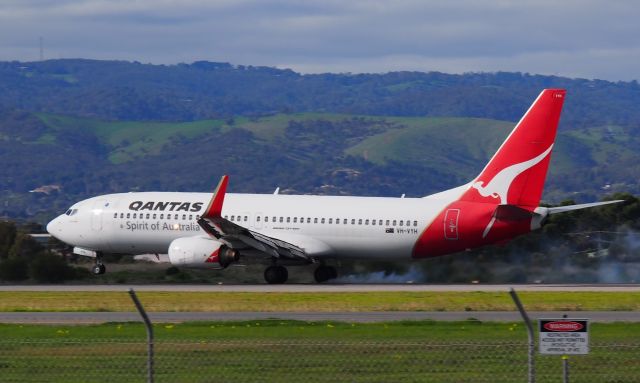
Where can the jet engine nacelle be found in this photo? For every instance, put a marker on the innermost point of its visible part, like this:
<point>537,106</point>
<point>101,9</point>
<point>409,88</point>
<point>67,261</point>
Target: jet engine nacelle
<point>201,252</point>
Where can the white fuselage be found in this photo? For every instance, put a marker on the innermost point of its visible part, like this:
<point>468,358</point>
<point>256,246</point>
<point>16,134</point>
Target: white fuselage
<point>324,226</point>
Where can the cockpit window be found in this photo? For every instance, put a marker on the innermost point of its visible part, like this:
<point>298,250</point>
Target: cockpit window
<point>71,212</point>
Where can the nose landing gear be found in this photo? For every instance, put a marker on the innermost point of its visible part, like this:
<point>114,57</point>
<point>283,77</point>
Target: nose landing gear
<point>98,268</point>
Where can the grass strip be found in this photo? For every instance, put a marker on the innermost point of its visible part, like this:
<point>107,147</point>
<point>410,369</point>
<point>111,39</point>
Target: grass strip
<point>23,301</point>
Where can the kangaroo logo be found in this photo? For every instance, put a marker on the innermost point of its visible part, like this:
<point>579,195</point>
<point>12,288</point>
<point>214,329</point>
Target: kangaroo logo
<point>499,186</point>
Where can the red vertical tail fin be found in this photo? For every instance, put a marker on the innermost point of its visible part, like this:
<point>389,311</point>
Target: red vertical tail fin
<point>516,173</point>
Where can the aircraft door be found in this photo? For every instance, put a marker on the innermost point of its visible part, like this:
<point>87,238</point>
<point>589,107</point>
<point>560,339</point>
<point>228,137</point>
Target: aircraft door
<point>451,224</point>
<point>97,212</point>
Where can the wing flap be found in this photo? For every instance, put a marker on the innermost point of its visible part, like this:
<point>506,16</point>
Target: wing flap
<point>229,232</point>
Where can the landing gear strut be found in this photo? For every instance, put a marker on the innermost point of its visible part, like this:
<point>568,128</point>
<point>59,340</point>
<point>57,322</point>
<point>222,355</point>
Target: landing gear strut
<point>323,273</point>
<point>98,268</point>
<point>276,274</point>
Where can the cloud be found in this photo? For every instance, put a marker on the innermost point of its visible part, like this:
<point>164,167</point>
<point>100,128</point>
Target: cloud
<point>589,38</point>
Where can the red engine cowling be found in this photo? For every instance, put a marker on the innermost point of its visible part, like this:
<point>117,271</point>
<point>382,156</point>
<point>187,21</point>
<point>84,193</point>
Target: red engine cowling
<point>201,252</point>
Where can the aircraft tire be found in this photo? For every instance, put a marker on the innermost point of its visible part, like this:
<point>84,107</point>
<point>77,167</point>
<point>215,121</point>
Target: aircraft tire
<point>275,275</point>
<point>323,273</point>
<point>98,269</point>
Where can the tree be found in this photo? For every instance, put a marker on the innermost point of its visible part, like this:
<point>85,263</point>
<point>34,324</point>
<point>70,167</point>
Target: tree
<point>51,269</point>
<point>7,237</point>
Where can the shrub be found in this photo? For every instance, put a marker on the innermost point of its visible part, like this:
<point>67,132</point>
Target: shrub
<point>14,269</point>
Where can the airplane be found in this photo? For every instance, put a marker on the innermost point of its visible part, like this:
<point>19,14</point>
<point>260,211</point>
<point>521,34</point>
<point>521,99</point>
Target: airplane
<point>214,231</point>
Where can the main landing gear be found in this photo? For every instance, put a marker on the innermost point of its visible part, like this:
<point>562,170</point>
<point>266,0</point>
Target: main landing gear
<point>276,274</point>
<point>323,273</point>
<point>98,268</point>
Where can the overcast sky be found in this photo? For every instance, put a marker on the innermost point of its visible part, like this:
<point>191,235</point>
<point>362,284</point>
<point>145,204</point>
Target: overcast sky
<point>575,38</point>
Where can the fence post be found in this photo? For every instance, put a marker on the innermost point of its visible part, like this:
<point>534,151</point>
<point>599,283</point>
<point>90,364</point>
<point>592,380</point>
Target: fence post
<point>532,345</point>
<point>149,327</point>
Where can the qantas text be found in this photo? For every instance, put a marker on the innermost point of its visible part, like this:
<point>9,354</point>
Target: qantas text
<point>165,206</point>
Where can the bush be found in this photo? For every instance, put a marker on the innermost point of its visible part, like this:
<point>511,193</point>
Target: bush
<point>50,268</point>
<point>14,269</point>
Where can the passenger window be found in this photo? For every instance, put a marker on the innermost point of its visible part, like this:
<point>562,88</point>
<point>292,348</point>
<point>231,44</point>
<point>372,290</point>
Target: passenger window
<point>401,222</point>
<point>387,223</point>
<point>408,223</point>
<point>273,219</point>
<point>121,215</point>
<point>257,218</point>
<point>360,221</point>
<point>225,217</point>
<point>301,219</point>
<point>308,220</point>
<point>373,222</point>
<point>295,219</point>
<point>232,218</point>
<point>337,221</point>
<point>380,222</point>
<point>288,219</point>
<point>394,222</point>
<point>148,215</point>
<point>128,215</point>
<point>330,220</point>
<point>175,217</point>
<point>190,217</point>
<point>353,221</point>
<point>198,217</point>
<point>266,218</point>
<point>315,220</point>
<point>415,223</point>
<point>154,216</point>
<point>134,215</point>
<point>115,215</point>
<point>322,220</point>
<point>366,222</point>
<point>246,218</point>
<point>281,219</point>
<point>344,221</point>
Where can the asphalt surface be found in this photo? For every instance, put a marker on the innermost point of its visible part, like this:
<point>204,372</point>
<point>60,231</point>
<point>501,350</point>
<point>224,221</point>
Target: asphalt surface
<point>78,318</point>
<point>327,288</point>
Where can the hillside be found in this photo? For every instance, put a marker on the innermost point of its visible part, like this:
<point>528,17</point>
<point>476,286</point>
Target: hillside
<point>318,153</point>
<point>118,90</point>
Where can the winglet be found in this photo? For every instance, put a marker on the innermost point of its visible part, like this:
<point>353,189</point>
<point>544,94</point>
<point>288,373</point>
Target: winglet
<point>215,205</point>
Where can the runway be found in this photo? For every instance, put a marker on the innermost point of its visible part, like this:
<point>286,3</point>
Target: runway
<point>79,318</point>
<point>328,288</point>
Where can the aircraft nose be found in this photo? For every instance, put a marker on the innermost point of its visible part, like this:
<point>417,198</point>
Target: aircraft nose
<point>53,227</point>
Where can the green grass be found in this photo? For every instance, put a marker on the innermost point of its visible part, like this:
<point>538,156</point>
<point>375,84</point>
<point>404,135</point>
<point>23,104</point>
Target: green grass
<point>290,351</point>
<point>132,139</point>
<point>441,142</point>
<point>428,330</point>
<point>319,302</point>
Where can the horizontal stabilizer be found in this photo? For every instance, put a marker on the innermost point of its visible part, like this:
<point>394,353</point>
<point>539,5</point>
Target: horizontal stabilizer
<point>511,213</point>
<point>563,209</point>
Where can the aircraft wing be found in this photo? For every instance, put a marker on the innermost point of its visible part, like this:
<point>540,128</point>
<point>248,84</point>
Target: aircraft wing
<point>217,226</point>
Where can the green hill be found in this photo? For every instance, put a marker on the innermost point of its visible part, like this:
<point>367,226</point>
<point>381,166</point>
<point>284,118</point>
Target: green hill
<point>316,153</point>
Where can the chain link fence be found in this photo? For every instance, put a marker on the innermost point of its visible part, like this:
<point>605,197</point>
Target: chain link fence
<point>308,361</point>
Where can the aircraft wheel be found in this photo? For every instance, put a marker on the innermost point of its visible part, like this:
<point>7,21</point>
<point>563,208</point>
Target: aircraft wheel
<point>276,275</point>
<point>324,273</point>
<point>98,269</point>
